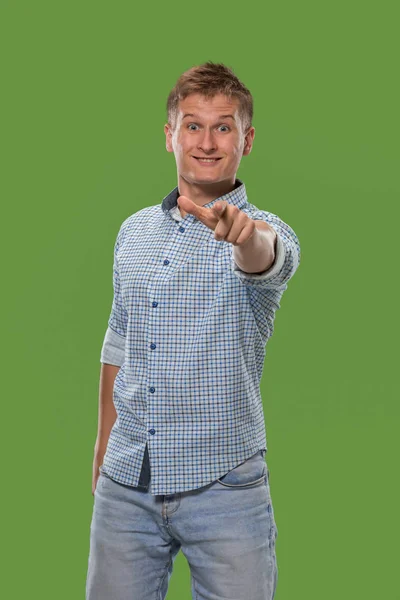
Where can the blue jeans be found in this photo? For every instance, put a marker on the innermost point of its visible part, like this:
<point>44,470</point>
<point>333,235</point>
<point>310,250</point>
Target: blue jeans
<point>226,530</point>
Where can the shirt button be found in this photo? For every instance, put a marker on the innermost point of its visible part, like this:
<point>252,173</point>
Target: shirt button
<point>166,261</point>
<point>152,346</point>
<point>152,431</point>
<point>181,229</point>
<point>155,304</point>
<point>152,390</point>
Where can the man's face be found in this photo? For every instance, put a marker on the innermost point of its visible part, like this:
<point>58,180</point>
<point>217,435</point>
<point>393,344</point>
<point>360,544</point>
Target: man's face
<point>204,129</point>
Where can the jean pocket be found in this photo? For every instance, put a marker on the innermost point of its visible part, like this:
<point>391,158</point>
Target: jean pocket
<point>102,475</point>
<point>249,473</point>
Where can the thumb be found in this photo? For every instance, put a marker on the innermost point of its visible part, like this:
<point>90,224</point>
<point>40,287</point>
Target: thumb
<point>219,207</point>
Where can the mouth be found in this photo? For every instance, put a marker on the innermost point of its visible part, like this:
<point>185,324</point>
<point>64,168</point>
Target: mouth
<point>207,161</point>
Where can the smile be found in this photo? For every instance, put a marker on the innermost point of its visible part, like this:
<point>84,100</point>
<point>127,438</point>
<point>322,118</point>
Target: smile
<point>207,161</point>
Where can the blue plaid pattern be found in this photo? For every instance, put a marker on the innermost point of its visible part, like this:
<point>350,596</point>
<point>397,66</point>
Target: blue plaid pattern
<point>188,329</point>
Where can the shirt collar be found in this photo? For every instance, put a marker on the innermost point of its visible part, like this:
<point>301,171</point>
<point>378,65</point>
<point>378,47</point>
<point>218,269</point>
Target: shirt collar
<point>237,196</point>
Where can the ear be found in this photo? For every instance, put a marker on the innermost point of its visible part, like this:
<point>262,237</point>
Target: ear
<point>168,137</point>
<point>249,138</point>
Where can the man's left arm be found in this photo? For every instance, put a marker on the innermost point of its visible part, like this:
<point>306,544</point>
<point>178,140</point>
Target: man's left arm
<point>259,252</point>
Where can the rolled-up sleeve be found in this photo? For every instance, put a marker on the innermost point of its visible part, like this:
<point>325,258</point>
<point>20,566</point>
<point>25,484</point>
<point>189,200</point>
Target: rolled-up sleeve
<point>113,349</point>
<point>287,256</point>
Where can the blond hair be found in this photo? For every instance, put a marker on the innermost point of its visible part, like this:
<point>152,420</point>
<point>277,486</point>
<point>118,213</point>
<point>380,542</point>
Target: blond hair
<point>210,79</point>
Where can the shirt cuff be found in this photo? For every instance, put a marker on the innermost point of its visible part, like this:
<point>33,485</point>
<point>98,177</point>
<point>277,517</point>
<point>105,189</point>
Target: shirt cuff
<point>113,350</point>
<point>273,269</point>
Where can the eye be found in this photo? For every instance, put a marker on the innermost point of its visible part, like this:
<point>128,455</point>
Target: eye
<point>227,128</point>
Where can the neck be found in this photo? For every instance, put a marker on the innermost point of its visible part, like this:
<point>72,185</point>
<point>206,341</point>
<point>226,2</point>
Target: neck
<point>202,194</point>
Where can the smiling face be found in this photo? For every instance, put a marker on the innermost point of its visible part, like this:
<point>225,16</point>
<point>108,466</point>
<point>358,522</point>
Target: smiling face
<point>208,128</point>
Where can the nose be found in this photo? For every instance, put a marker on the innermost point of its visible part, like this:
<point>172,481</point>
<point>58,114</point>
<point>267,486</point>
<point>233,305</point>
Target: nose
<point>207,142</point>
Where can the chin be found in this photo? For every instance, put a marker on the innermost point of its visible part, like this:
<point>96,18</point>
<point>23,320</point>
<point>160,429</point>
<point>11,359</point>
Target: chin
<point>194,178</point>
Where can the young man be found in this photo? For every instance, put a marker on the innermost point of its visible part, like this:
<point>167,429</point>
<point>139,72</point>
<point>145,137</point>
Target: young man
<point>180,452</point>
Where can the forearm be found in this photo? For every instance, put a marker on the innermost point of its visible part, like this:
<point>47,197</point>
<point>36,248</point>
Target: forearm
<point>258,254</point>
<point>106,413</point>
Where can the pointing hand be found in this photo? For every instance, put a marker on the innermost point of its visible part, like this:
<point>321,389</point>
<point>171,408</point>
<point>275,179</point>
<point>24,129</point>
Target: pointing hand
<point>227,221</point>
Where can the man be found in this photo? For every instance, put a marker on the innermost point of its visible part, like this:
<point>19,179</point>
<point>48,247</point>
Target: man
<point>179,460</point>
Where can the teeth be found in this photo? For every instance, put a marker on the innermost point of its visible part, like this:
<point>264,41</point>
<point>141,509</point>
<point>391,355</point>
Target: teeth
<point>208,159</point>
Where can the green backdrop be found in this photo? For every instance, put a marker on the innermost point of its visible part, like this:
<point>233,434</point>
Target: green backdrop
<point>84,88</point>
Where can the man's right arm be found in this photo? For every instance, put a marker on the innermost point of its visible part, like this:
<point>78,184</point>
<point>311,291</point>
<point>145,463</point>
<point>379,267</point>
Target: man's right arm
<point>112,358</point>
<point>106,416</point>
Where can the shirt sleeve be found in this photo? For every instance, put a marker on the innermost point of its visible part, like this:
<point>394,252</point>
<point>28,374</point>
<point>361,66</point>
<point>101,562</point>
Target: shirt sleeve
<point>287,256</point>
<point>113,349</point>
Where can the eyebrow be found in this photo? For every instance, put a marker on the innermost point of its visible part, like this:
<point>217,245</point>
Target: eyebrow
<point>197,117</point>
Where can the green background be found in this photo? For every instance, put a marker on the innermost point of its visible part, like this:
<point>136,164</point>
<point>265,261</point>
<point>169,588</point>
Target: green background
<point>84,88</point>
